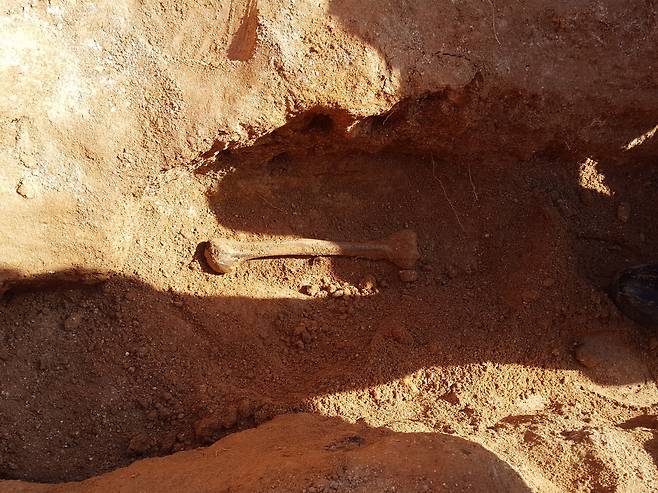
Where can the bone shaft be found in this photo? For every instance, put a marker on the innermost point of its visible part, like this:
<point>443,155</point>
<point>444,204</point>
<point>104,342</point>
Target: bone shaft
<point>309,247</point>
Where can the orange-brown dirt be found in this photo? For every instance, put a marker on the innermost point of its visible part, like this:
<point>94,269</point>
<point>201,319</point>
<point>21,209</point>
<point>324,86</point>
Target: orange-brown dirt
<point>310,453</point>
<point>516,141</point>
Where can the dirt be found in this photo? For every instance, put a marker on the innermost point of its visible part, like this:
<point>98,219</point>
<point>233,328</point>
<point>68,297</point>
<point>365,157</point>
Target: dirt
<point>99,376</point>
<point>313,454</point>
<point>526,169</point>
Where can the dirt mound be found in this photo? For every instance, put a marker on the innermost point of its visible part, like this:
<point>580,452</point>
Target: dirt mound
<point>312,454</point>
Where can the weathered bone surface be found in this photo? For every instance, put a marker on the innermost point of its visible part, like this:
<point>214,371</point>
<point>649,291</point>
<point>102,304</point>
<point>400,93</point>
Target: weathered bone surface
<point>400,248</point>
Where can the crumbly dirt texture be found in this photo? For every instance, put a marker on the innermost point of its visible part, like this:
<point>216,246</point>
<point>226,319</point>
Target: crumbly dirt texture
<point>517,141</point>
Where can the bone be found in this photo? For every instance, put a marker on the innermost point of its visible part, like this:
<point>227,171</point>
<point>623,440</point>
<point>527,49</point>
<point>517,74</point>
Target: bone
<point>400,248</point>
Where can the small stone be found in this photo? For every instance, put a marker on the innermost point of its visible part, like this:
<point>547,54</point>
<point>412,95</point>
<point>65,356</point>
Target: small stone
<point>338,293</point>
<point>26,189</point>
<point>331,288</point>
<point>231,416</point>
<point>408,275</point>
<point>206,428</point>
<point>245,408</point>
<point>624,212</point>
<point>368,282</point>
<point>311,290</point>
<point>139,444</point>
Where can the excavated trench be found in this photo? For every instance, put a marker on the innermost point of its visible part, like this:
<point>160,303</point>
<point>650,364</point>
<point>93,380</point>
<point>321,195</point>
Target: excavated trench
<point>516,139</point>
<point>519,232</point>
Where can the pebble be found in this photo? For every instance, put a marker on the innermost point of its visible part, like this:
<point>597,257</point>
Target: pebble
<point>624,212</point>
<point>139,444</point>
<point>245,408</point>
<point>368,282</point>
<point>408,275</point>
<point>311,290</point>
<point>337,293</point>
<point>206,428</point>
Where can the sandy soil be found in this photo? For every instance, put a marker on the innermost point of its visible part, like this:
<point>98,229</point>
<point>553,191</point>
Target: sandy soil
<point>526,168</point>
<point>312,454</point>
<point>484,345</point>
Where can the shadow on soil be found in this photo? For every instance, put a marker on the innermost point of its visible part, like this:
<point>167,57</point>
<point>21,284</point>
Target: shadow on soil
<point>512,251</point>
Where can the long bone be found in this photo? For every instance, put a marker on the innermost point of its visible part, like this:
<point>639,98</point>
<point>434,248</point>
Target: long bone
<point>400,248</point>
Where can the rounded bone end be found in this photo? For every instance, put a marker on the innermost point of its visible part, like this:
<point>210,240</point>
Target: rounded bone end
<point>405,248</point>
<point>219,258</point>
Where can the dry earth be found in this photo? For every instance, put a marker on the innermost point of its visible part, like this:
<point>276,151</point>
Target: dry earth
<point>517,140</point>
